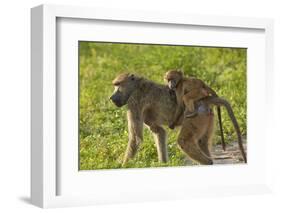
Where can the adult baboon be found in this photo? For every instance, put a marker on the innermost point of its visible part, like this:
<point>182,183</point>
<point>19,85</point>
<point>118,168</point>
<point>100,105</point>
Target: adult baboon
<point>154,105</point>
<point>149,103</point>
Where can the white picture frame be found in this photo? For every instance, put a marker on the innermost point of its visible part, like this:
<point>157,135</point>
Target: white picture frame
<point>45,178</point>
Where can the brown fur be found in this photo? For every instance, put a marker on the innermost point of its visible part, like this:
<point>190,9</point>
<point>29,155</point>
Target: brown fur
<point>196,130</point>
<point>193,129</point>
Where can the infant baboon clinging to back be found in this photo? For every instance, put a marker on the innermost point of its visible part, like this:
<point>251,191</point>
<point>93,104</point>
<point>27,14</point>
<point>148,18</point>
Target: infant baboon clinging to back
<point>188,90</point>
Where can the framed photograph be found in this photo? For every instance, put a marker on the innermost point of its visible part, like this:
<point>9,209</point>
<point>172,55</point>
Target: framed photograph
<point>131,106</point>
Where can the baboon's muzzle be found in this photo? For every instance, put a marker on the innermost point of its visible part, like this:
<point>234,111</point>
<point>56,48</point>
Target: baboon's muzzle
<point>116,100</point>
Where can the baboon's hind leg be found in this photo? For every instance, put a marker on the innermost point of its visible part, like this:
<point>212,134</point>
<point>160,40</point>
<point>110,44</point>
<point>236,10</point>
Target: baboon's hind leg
<point>205,143</point>
<point>191,147</point>
<point>204,146</point>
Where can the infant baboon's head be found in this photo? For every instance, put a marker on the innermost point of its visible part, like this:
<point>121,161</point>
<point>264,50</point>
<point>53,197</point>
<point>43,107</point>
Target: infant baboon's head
<point>172,77</point>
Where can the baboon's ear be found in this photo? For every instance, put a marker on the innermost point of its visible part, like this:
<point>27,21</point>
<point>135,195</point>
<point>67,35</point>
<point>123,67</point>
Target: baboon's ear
<point>132,77</point>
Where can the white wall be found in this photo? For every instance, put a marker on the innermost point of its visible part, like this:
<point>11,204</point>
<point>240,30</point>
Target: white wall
<point>15,98</point>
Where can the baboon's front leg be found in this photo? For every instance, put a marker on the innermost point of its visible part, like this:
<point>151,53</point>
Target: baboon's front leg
<point>135,131</point>
<point>159,135</point>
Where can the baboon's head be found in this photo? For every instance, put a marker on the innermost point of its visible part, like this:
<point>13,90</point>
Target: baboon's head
<point>124,85</point>
<point>173,77</point>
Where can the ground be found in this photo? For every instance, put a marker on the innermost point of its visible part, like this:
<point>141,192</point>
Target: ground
<point>231,155</point>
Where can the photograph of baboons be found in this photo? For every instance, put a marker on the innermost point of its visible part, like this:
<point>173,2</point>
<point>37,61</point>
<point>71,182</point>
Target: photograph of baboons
<point>156,105</point>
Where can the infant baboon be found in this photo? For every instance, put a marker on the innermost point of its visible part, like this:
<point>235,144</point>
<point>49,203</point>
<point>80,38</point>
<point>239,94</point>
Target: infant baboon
<point>188,91</point>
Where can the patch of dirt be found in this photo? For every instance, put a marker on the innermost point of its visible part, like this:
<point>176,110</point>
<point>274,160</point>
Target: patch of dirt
<point>231,155</point>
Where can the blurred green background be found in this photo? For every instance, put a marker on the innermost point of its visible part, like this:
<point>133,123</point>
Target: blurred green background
<point>103,126</point>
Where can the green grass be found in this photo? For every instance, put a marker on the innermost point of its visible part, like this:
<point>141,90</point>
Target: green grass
<point>103,126</point>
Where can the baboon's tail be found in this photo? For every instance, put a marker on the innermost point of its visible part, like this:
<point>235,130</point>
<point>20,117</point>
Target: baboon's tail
<point>221,128</point>
<point>221,102</point>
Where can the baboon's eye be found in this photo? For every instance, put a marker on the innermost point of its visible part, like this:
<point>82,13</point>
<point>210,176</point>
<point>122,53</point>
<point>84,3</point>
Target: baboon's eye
<point>132,77</point>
